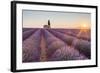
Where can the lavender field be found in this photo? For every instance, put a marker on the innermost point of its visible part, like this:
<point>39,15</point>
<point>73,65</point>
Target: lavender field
<point>40,45</point>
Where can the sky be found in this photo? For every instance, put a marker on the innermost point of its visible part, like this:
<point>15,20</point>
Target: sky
<point>69,20</point>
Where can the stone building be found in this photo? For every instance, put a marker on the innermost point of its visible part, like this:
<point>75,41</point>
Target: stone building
<point>47,26</point>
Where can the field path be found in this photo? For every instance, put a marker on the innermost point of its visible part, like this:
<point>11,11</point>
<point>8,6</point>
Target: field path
<point>43,48</point>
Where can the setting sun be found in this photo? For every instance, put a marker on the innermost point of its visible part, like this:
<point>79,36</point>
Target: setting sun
<point>84,26</point>
<point>84,29</point>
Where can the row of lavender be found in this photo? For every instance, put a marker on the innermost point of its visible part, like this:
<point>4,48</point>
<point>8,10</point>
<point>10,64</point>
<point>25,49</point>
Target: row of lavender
<point>30,47</point>
<point>85,34</point>
<point>58,50</point>
<point>83,46</point>
<point>59,46</point>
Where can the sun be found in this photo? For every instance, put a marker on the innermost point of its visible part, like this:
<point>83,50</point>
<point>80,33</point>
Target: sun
<point>83,29</point>
<point>84,26</point>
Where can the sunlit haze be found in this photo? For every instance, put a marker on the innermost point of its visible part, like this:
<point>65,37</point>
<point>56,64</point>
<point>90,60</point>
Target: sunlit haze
<point>69,20</point>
